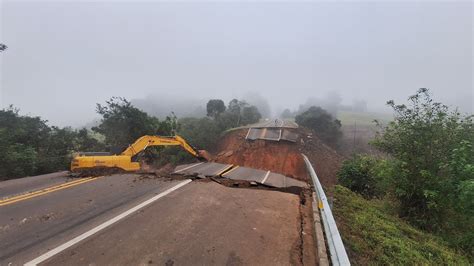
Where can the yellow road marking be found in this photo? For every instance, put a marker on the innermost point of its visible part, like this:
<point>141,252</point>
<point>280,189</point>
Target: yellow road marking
<point>41,190</point>
<point>228,170</point>
<point>37,191</point>
<point>44,191</point>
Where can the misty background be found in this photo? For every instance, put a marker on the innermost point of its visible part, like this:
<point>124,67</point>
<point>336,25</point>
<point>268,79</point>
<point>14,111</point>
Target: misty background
<point>64,57</point>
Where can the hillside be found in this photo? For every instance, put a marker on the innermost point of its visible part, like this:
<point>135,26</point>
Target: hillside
<point>372,235</point>
<point>281,156</point>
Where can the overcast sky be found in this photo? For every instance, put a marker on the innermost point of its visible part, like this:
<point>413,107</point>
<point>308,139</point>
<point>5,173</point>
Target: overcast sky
<point>63,57</point>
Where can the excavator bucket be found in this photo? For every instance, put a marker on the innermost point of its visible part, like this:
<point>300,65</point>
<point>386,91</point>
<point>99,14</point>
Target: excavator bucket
<point>205,155</point>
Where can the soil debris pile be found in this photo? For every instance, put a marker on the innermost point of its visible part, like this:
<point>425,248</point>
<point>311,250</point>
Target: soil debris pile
<point>325,160</point>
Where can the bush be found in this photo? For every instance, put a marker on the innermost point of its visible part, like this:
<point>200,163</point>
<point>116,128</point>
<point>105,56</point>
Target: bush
<point>433,149</point>
<point>359,174</point>
<point>432,168</point>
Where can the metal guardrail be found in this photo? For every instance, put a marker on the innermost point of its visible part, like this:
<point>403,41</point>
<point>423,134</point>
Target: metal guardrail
<point>337,252</point>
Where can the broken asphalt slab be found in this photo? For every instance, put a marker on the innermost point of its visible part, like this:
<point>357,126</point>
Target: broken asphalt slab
<point>273,134</point>
<point>239,173</point>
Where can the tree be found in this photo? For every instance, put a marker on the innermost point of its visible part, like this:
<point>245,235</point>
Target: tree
<point>227,120</point>
<point>215,107</point>
<point>201,132</point>
<point>22,138</point>
<point>122,123</point>
<point>240,113</point>
<point>84,142</point>
<point>56,152</point>
<point>433,150</point>
<point>250,115</point>
<point>28,146</point>
<point>322,123</point>
<point>235,106</point>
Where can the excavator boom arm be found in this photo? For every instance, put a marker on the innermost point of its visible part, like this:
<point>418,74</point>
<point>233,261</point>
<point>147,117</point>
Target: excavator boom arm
<point>143,142</point>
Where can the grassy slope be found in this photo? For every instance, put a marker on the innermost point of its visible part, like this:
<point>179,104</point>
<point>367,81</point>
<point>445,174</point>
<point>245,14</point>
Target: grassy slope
<point>363,119</point>
<point>374,236</point>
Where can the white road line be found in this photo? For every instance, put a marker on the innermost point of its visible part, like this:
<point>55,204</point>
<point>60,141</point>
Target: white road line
<point>186,168</point>
<point>104,225</point>
<point>265,178</point>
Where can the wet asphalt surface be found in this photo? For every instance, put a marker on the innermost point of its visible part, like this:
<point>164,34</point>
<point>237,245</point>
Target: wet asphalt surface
<point>199,223</point>
<point>202,223</point>
<point>31,227</point>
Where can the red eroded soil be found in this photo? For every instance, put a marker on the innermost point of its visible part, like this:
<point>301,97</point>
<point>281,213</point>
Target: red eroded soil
<point>281,157</point>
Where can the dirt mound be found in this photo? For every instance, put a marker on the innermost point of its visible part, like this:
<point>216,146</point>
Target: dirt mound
<point>281,157</point>
<point>325,160</point>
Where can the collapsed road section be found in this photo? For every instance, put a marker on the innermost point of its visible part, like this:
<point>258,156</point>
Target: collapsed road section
<point>141,221</point>
<point>267,178</point>
<point>283,157</point>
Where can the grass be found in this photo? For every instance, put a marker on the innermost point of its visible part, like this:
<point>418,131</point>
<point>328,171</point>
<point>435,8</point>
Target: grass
<point>374,236</point>
<point>362,119</point>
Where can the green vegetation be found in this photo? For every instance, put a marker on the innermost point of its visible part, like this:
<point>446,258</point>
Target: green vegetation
<point>364,175</point>
<point>348,118</point>
<point>215,107</point>
<point>204,132</point>
<point>122,123</point>
<point>374,236</point>
<point>429,173</point>
<point>322,123</point>
<point>28,146</point>
<point>239,113</point>
<point>434,157</point>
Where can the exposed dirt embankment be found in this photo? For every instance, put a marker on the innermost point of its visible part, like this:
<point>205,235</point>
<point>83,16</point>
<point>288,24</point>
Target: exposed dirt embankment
<point>281,157</point>
<point>325,160</point>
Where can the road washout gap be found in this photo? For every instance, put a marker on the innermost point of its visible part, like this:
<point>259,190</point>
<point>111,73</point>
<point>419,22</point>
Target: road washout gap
<point>282,157</point>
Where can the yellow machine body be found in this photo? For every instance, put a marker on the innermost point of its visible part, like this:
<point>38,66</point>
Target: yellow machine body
<point>123,161</point>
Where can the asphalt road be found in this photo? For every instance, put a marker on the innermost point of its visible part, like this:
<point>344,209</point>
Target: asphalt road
<point>30,227</point>
<point>275,123</point>
<point>198,223</point>
<point>21,185</point>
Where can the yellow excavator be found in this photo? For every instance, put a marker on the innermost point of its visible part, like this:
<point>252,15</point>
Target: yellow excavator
<point>94,162</point>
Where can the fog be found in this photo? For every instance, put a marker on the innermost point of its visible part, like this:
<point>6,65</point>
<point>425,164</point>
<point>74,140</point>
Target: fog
<point>64,57</point>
